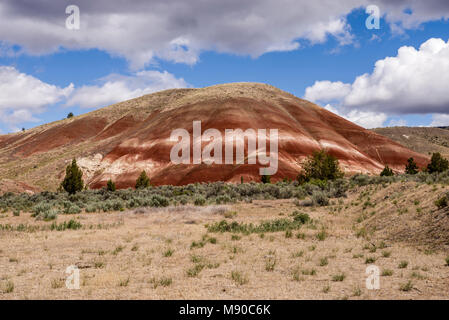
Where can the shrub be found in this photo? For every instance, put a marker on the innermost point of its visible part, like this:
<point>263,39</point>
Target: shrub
<point>110,186</point>
<point>411,167</point>
<point>72,209</point>
<point>239,278</point>
<point>301,217</point>
<point>70,115</point>
<point>320,165</point>
<point>442,202</point>
<point>338,277</point>
<point>72,224</point>
<point>265,178</point>
<point>200,201</point>
<point>159,201</point>
<point>143,181</point>
<point>387,172</point>
<point>47,215</point>
<point>437,163</point>
<point>406,286</point>
<point>73,181</point>
<point>263,227</point>
<point>320,198</point>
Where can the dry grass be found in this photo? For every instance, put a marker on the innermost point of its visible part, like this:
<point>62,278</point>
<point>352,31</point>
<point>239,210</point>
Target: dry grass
<point>149,254</point>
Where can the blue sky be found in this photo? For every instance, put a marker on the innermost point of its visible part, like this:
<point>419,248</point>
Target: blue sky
<point>74,79</point>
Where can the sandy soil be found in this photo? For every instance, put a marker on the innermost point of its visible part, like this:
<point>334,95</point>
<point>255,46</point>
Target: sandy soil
<point>147,254</point>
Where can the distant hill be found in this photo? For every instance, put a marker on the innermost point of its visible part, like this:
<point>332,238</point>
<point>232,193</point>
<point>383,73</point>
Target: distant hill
<point>119,141</point>
<point>424,140</point>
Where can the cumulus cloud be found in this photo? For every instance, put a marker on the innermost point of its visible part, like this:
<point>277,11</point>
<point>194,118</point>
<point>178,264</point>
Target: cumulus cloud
<point>116,88</point>
<point>440,120</point>
<point>180,30</point>
<point>397,123</point>
<point>414,81</point>
<point>364,119</point>
<point>22,95</point>
<point>327,91</point>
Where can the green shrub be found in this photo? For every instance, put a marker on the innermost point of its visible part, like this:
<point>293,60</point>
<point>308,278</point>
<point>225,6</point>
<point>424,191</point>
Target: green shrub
<point>411,167</point>
<point>200,201</point>
<point>143,181</point>
<point>301,217</point>
<point>387,172</point>
<point>276,225</point>
<point>72,209</point>
<point>265,178</point>
<point>71,224</point>
<point>73,181</point>
<point>437,163</point>
<point>319,198</point>
<point>442,202</point>
<point>110,186</point>
<point>159,201</point>
<point>320,165</point>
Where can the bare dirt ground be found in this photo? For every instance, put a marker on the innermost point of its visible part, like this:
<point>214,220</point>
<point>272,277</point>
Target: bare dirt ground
<point>148,253</point>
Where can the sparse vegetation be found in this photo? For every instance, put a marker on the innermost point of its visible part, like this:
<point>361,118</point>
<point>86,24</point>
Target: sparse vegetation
<point>406,286</point>
<point>143,181</point>
<point>73,181</point>
<point>437,163</point>
<point>110,186</point>
<point>442,202</point>
<point>411,167</point>
<point>320,166</point>
<point>276,225</point>
<point>338,277</point>
<point>387,172</point>
<point>387,272</point>
<point>239,278</point>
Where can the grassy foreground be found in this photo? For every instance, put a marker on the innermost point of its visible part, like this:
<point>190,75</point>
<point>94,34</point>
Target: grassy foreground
<point>251,241</point>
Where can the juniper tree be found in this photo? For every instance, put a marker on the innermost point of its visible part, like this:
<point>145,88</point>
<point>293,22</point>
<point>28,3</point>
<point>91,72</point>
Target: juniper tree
<point>411,167</point>
<point>110,185</point>
<point>387,172</point>
<point>73,181</point>
<point>143,181</point>
<point>437,163</point>
<point>322,166</point>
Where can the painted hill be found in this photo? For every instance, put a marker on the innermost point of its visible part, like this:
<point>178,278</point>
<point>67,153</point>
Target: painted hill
<point>121,140</point>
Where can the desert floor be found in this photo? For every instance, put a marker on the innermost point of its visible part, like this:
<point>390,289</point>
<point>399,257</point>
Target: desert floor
<point>148,253</point>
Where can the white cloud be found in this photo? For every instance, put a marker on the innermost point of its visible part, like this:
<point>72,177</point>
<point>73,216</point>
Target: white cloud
<point>415,81</point>
<point>440,120</point>
<point>117,88</point>
<point>364,119</point>
<point>22,95</point>
<point>180,30</point>
<point>327,91</point>
<point>175,30</point>
<point>397,123</point>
